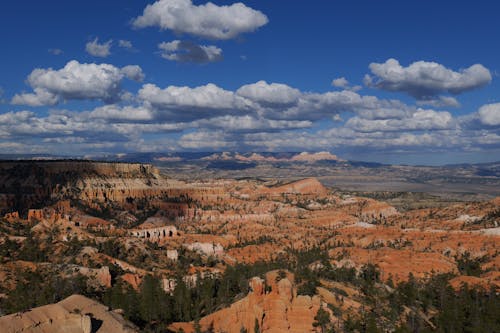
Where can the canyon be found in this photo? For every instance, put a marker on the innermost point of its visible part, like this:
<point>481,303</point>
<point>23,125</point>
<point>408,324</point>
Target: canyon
<point>113,228</point>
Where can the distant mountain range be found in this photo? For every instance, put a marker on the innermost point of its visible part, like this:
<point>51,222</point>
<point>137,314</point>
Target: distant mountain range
<point>238,159</point>
<point>189,156</point>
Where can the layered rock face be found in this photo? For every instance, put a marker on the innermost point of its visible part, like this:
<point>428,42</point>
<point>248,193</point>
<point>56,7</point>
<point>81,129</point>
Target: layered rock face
<point>28,186</point>
<point>75,314</point>
<point>32,184</point>
<point>272,304</point>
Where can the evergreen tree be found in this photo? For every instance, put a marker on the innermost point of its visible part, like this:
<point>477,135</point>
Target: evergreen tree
<point>151,298</point>
<point>322,320</point>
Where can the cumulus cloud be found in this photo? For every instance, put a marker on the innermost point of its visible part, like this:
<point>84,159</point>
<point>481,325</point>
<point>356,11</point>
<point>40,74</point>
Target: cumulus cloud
<point>26,123</point>
<point>343,83</point>
<point>187,103</point>
<point>249,123</point>
<point>40,97</point>
<point>257,116</point>
<point>340,82</point>
<point>489,114</point>
<point>126,44</point>
<point>11,118</point>
<point>115,113</point>
<point>186,51</point>
<point>207,21</point>
<point>97,49</point>
<point>132,72</point>
<point>418,121</point>
<point>426,80</point>
<point>315,106</point>
<point>280,101</point>
<point>440,101</point>
<point>345,138</point>
<point>77,81</point>
<point>270,94</point>
<point>207,140</point>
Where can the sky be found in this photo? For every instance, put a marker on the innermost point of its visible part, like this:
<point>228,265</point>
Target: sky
<point>387,81</point>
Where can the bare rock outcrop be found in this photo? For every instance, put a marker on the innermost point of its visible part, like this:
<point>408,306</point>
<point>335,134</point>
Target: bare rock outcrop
<point>76,314</point>
<point>276,309</point>
<point>308,186</point>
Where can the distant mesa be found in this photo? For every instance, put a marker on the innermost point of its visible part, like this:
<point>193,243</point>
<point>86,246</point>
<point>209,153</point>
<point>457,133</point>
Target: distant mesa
<point>168,159</point>
<point>313,157</point>
<point>159,158</point>
<point>273,157</point>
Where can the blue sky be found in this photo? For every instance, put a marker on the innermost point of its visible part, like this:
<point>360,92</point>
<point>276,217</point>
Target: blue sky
<point>389,81</point>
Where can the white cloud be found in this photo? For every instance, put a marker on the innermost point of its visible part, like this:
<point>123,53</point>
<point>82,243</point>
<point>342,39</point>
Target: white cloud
<point>440,101</point>
<point>77,81</point>
<point>185,103</point>
<point>345,138</point>
<point>257,116</point>
<point>11,118</point>
<point>418,121</point>
<point>315,106</point>
<point>340,82</point>
<point>126,44</point>
<point>207,140</point>
<point>426,80</point>
<point>185,51</point>
<point>343,83</point>
<point>116,113</point>
<point>270,94</point>
<point>207,21</point>
<point>96,49</point>
<point>280,101</point>
<point>489,114</point>
<point>249,123</point>
<point>133,72</point>
<point>40,97</point>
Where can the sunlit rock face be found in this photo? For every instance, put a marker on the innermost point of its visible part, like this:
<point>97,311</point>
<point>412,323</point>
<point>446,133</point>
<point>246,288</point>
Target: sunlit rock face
<point>76,314</point>
<point>118,224</point>
<point>273,304</point>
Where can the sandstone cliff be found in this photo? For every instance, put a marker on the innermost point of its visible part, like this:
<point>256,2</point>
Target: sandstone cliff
<point>76,314</point>
<point>36,184</point>
<point>272,304</point>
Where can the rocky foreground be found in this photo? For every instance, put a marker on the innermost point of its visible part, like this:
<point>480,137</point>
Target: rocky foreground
<point>73,314</point>
<point>229,255</point>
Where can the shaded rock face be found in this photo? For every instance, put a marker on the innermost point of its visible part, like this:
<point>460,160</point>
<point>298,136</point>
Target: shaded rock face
<point>76,314</point>
<point>155,234</point>
<point>32,184</point>
<point>275,311</point>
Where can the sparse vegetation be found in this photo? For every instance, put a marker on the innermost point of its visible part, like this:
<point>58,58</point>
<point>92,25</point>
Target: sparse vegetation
<point>346,255</point>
